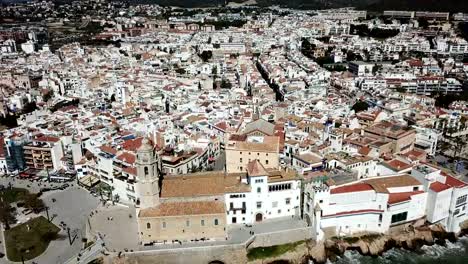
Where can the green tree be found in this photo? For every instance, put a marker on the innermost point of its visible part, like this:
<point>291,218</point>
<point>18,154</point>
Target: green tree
<point>206,55</point>
<point>31,201</point>
<point>226,84</point>
<point>360,106</point>
<point>7,215</point>
<point>47,96</point>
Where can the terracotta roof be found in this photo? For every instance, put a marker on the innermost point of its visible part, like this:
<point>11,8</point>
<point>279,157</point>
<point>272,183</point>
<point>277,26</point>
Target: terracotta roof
<point>47,139</point>
<point>382,184</point>
<point>108,149</point>
<point>198,184</point>
<point>132,144</point>
<point>439,187</point>
<point>451,181</point>
<point>184,208</point>
<point>269,144</point>
<point>130,170</point>
<point>358,187</point>
<point>255,168</point>
<point>397,165</point>
<point>394,198</point>
<point>127,157</point>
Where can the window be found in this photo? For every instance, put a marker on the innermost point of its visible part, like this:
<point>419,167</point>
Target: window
<point>146,171</point>
<point>187,223</point>
<point>399,217</point>
<point>240,160</point>
<point>279,211</point>
<point>259,190</point>
<point>202,222</point>
<point>321,201</point>
<point>258,180</point>
<point>258,154</point>
<point>259,205</point>
<point>461,200</point>
<point>240,168</point>
<point>148,226</point>
<point>274,204</point>
<point>288,200</point>
<point>163,224</point>
<point>266,162</point>
<point>416,188</point>
<point>231,205</point>
<point>216,222</point>
<point>234,220</point>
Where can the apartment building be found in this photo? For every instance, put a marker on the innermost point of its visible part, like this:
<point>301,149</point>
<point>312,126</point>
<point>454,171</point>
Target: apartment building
<point>402,138</point>
<point>44,152</point>
<point>447,197</point>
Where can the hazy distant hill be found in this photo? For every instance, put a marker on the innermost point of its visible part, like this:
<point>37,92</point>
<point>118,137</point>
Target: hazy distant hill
<point>377,5</point>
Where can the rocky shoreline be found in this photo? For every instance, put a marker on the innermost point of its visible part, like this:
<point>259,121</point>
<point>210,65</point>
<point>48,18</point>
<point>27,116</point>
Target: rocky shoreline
<point>377,244</point>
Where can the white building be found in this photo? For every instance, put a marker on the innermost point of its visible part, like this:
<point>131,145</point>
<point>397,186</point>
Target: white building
<point>373,205</point>
<point>264,194</point>
<point>447,197</point>
<point>426,139</point>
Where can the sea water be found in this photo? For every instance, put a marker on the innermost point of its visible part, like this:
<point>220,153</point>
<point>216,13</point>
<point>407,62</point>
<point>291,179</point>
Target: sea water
<point>452,253</point>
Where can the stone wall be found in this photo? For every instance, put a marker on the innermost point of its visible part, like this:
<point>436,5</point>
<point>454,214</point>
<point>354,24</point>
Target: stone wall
<point>281,237</point>
<point>229,254</point>
<point>205,254</point>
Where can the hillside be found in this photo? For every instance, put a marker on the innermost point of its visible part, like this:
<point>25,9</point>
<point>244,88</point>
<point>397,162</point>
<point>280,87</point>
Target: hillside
<point>375,5</point>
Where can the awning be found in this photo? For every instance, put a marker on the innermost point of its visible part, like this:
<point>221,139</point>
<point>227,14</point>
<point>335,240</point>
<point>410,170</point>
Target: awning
<point>88,181</point>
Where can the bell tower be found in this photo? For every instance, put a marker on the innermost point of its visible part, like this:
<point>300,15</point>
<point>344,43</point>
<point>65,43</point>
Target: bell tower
<point>147,165</point>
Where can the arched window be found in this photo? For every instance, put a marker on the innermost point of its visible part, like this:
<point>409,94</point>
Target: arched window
<point>216,222</point>
<point>148,226</point>
<point>146,171</point>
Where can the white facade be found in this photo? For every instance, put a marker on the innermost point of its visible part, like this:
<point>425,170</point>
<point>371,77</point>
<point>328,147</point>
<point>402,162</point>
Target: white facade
<point>265,200</point>
<point>364,206</point>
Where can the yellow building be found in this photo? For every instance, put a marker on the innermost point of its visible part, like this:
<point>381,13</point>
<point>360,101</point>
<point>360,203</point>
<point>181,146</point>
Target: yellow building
<point>175,209</point>
<point>183,221</point>
<point>241,149</point>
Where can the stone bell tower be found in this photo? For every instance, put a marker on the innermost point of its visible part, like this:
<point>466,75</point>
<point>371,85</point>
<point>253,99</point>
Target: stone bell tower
<point>148,171</point>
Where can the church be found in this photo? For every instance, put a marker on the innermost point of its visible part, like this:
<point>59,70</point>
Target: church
<point>200,206</point>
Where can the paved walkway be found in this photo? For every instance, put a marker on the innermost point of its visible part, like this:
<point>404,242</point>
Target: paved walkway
<point>71,207</point>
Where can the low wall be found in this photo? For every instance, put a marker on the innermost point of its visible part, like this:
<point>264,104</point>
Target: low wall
<point>234,253</point>
<point>228,254</point>
<point>281,237</point>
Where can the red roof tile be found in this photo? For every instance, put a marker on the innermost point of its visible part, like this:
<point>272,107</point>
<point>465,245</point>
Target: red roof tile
<point>130,170</point>
<point>398,165</point>
<point>439,187</point>
<point>127,157</point>
<point>108,149</point>
<point>394,198</point>
<point>358,187</point>
<point>47,139</point>
<point>451,181</point>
